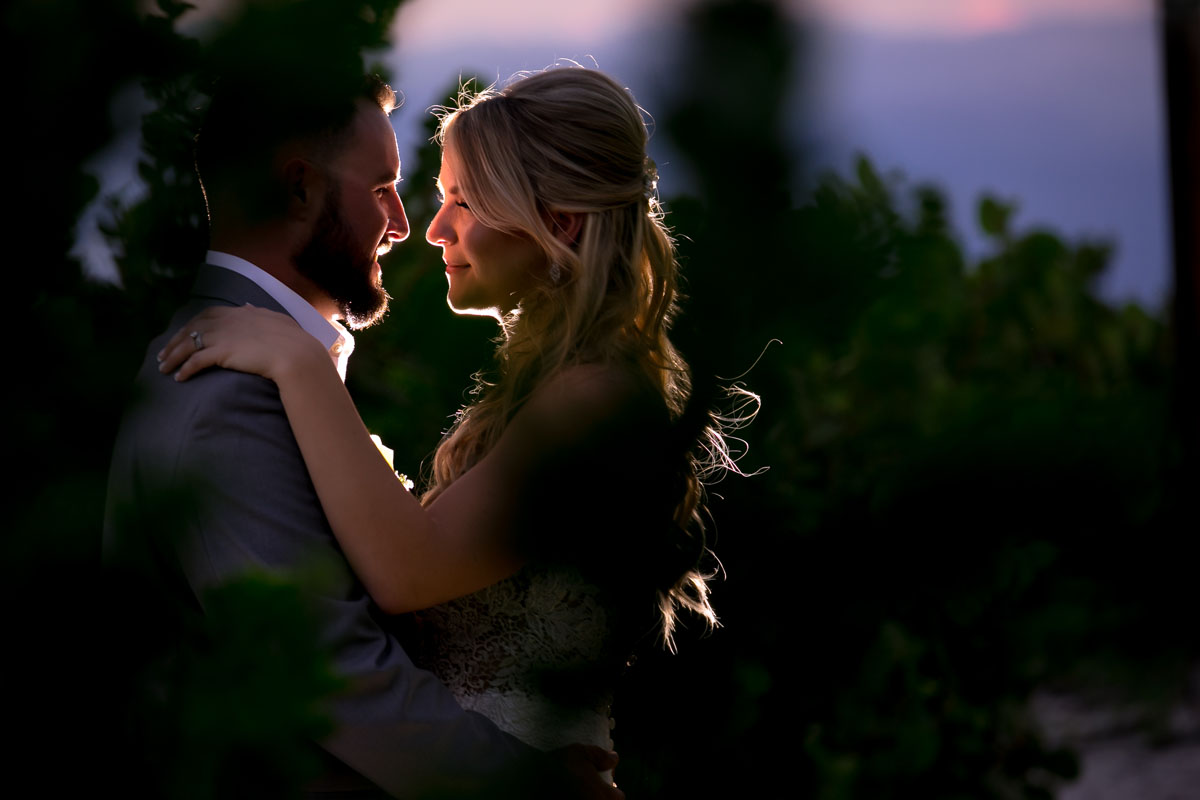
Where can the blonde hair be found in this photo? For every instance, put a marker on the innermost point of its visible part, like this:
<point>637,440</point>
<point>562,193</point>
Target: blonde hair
<point>569,139</point>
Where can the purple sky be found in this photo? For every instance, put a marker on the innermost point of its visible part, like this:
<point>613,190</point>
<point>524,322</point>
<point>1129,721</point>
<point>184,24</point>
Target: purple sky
<point>1067,119</point>
<point>1053,103</point>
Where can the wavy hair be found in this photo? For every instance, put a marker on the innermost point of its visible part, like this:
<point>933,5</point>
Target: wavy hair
<point>570,139</point>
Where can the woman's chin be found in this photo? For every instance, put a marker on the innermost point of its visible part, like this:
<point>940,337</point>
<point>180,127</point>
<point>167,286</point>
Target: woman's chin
<point>465,307</point>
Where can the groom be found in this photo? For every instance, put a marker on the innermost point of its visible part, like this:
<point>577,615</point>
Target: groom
<point>302,201</point>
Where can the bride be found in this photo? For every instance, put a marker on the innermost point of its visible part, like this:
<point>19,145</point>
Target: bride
<point>562,522</point>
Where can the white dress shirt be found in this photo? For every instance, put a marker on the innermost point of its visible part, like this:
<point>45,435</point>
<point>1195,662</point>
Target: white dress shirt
<point>334,337</point>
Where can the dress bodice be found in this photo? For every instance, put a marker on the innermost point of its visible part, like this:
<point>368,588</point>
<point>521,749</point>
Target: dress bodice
<point>536,653</point>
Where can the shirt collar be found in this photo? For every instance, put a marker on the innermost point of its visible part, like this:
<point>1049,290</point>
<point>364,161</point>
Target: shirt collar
<point>336,339</point>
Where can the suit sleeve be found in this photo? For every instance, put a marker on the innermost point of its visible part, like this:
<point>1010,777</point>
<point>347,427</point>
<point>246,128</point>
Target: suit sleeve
<point>226,435</point>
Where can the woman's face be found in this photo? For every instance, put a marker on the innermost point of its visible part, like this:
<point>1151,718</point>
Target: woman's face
<point>489,271</point>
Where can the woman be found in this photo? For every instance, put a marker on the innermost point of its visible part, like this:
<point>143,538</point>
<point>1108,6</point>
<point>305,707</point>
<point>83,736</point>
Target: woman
<point>563,511</point>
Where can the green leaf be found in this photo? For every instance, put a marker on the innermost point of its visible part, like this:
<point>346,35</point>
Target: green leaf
<point>994,216</point>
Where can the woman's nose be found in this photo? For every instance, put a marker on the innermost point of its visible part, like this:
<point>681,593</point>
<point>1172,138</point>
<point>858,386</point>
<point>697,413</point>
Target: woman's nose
<point>438,232</point>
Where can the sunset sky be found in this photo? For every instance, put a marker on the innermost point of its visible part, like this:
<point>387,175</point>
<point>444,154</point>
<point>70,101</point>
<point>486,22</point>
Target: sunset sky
<point>966,17</point>
<point>1054,103</point>
<point>581,20</point>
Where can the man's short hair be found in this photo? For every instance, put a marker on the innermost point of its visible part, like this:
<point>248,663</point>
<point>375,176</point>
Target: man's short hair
<point>249,121</point>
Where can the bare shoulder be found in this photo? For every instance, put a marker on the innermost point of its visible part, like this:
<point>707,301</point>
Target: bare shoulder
<point>587,400</point>
<point>589,383</point>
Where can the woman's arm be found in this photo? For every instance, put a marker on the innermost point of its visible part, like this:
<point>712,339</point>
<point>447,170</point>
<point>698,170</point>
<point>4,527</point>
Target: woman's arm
<point>407,556</point>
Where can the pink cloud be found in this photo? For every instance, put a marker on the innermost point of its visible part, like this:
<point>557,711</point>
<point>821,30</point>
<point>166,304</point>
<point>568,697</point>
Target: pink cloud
<point>963,17</point>
<point>987,16</point>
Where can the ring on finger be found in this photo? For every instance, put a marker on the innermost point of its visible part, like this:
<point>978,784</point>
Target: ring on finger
<point>197,340</point>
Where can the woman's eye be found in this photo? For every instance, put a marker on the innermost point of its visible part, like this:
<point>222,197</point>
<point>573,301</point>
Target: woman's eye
<point>461,204</point>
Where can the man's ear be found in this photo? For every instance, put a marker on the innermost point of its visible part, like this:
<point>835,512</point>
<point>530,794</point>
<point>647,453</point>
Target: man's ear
<point>567,225</point>
<point>304,184</point>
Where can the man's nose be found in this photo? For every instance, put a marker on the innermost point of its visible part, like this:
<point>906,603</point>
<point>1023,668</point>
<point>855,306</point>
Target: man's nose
<point>397,230</point>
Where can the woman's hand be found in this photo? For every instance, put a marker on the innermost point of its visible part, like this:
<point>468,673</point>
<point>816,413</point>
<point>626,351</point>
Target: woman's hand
<point>246,339</point>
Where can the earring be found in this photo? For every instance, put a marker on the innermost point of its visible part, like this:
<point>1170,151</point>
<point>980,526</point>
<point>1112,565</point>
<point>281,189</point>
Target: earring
<point>555,273</point>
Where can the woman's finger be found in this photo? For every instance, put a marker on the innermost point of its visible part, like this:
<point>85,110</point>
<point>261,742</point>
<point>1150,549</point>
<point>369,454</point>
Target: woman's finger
<point>199,360</point>
<point>182,346</point>
<point>214,349</point>
<point>180,335</point>
<point>189,338</point>
<point>176,354</point>
<point>171,356</point>
<point>244,338</point>
<point>179,348</point>
<point>183,334</point>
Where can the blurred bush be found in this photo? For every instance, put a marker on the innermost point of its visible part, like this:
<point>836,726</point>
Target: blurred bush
<point>970,487</point>
<point>114,684</point>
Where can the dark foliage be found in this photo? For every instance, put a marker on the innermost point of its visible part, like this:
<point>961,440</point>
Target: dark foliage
<point>112,690</point>
<point>968,495</point>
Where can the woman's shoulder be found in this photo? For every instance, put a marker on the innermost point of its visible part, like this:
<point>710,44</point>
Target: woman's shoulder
<point>584,400</point>
<point>603,381</point>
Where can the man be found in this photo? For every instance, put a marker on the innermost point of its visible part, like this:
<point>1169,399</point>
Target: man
<point>302,201</point>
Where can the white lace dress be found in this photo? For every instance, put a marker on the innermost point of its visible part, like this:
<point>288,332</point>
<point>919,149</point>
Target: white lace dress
<point>535,653</point>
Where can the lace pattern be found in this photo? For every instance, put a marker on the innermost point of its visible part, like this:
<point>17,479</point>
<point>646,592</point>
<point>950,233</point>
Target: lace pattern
<point>534,653</point>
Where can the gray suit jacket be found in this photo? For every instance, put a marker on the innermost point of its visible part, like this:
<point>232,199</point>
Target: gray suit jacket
<point>224,435</point>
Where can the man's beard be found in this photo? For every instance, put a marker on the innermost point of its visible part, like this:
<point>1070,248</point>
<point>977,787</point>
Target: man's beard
<point>329,261</point>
